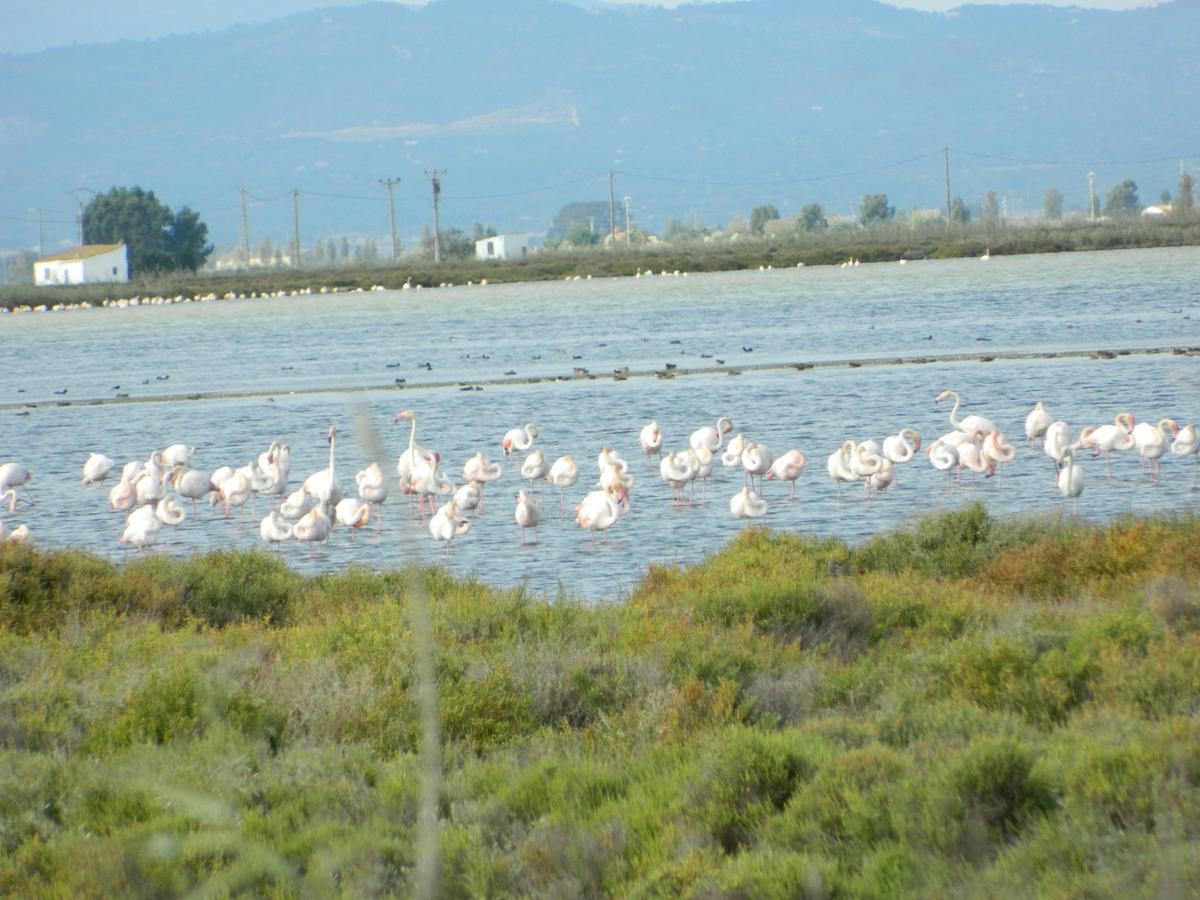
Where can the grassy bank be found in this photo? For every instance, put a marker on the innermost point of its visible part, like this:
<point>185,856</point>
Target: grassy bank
<point>881,243</point>
<point>967,708</point>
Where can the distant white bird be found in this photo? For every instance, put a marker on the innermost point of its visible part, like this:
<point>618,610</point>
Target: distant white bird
<point>1070,479</point>
<point>96,468</point>
<point>747,505</point>
<point>527,513</point>
<point>788,466</point>
<point>274,528</point>
<point>352,512</point>
<point>446,524</point>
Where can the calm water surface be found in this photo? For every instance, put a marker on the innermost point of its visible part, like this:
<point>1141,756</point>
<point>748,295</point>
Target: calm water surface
<point>313,361</point>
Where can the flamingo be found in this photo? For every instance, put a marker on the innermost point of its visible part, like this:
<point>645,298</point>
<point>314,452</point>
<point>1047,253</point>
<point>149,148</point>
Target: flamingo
<point>1070,479</point>
<point>427,482</point>
<point>710,436</point>
<point>1109,439</point>
<point>563,474</point>
<point>677,470</point>
<point>1037,422</point>
<point>883,477</point>
<point>352,512</point>
<point>747,505</point>
<point>519,438</point>
<point>14,475</point>
<point>141,528</point>
<point>997,450</point>
<point>323,486</point>
<point>467,497</point>
<point>944,458</point>
<point>838,464</point>
<point>150,485</point>
<point>446,524</point>
<point>96,468</point>
<point>527,513</point>
<point>900,449</point>
<point>415,452</point>
<point>1152,441</point>
<point>970,424</point>
<point>1056,443</point>
<point>702,459</point>
<point>234,491</point>
<point>19,535</point>
<point>1187,444</point>
<point>615,476</point>
<point>314,526</point>
<point>296,505</point>
<point>372,487</point>
<point>788,466</point>
<point>191,484</point>
<point>535,467</point>
<point>169,512</point>
<point>756,460</point>
<point>122,495</point>
<point>177,455</point>
<point>732,457</point>
<point>651,440</point>
<point>599,511</point>
<point>480,468</point>
<point>274,528</point>
<point>11,496</point>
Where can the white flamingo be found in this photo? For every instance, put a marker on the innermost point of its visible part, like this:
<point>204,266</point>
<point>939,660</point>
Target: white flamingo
<point>747,505</point>
<point>96,468</point>
<point>788,466</point>
<point>519,439</point>
<point>527,513</point>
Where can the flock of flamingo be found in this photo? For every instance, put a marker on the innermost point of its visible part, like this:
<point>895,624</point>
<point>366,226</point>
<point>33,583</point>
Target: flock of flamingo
<point>150,491</point>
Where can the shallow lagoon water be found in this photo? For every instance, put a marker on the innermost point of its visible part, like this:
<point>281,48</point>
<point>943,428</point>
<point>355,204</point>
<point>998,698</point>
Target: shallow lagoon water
<point>315,361</point>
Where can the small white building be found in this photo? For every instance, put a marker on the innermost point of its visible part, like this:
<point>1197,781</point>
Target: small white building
<point>502,246</point>
<point>89,264</point>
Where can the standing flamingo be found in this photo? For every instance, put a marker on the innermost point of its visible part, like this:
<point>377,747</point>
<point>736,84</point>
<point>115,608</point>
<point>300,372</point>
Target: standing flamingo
<point>710,436</point>
<point>969,424</point>
<point>519,439</point>
<point>527,513</point>
<point>323,486</point>
<point>446,524</point>
<point>651,440</point>
<point>747,505</point>
<point>1037,422</point>
<point>1070,479</point>
<point>1187,444</point>
<point>96,468</point>
<point>563,474</point>
<point>788,466</point>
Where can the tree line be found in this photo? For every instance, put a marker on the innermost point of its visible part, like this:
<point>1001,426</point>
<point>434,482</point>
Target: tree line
<point>162,240</point>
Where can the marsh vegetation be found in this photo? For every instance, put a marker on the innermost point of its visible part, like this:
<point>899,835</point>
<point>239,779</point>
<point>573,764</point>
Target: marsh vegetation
<point>969,706</point>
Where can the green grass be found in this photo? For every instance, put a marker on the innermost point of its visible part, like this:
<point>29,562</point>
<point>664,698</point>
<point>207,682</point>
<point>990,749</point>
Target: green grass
<point>968,707</point>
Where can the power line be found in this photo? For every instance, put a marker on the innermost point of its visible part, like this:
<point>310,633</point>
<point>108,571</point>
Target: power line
<point>1079,162</point>
<point>786,181</point>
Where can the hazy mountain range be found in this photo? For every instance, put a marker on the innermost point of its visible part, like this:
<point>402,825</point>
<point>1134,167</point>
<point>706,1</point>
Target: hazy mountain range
<point>526,104</point>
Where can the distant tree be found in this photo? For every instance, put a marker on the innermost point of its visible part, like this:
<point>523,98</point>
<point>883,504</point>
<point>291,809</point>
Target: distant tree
<point>813,218</point>
<point>266,251</point>
<point>370,250</point>
<point>1122,200</point>
<point>989,208</point>
<point>593,215</point>
<point>1185,197</point>
<point>1164,197</point>
<point>456,244</point>
<point>331,250</point>
<point>581,235</point>
<point>959,214</point>
<point>1052,205</point>
<point>761,215</point>
<point>874,208</point>
<point>318,252</point>
<point>345,253</point>
<point>157,239</point>
<point>479,231</point>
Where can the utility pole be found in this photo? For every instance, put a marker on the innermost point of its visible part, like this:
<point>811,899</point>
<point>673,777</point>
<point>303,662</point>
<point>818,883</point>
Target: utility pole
<point>296,227</point>
<point>1092,196</point>
<point>628,200</point>
<point>245,230</point>
<point>612,211</point>
<point>437,227</point>
<point>946,156</point>
<point>388,183</point>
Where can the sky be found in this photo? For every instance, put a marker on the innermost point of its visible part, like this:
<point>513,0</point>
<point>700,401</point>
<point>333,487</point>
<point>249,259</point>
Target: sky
<point>54,23</point>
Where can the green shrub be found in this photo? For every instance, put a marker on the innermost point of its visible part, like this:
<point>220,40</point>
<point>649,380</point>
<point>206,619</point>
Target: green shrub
<point>752,776</point>
<point>994,782</point>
